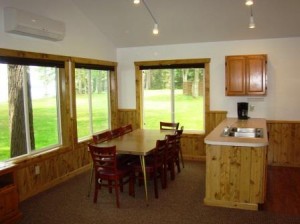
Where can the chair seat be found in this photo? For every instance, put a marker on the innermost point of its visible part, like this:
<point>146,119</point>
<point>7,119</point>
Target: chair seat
<point>120,172</point>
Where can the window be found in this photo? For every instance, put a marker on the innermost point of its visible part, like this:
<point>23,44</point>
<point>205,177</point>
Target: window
<point>173,91</point>
<point>29,106</point>
<point>92,98</point>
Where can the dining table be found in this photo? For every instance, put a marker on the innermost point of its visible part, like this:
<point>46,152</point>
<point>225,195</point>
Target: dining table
<point>139,142</point>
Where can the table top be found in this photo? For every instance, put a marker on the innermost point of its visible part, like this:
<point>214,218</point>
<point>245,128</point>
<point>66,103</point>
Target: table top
<point>137,142</point>
<point>216,138</point>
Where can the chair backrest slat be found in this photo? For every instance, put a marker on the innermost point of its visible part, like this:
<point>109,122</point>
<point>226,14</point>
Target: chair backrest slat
<point>117,132</point>
<point>104,158</point>
<point>126,128</point>
<point>101,137</point>
<point>168,125</point>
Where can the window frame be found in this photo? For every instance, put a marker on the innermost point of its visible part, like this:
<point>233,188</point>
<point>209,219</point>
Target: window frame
<point>93,63</point>
<point>67,98</point>
<point>37,59</point>
<point>139,65</point>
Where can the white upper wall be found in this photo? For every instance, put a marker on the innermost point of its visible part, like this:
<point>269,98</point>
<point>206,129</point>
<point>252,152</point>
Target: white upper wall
<point>82,38</point>
<point>281,102</point>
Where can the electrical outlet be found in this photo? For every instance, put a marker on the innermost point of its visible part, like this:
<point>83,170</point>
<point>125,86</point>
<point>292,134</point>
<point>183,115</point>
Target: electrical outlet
<point>252,107</point>
<point>37,170</point>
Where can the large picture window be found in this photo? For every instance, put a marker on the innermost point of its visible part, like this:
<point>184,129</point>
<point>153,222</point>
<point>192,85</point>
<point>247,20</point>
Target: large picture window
<point>174,95</point>
<point>29,106</point>
<point>92,99</point>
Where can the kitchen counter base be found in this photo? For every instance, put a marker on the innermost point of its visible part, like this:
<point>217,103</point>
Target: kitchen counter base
<point>235,176</point>
<point>230,204</point>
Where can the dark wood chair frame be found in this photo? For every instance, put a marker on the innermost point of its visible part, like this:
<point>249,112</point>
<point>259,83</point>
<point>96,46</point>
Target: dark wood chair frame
<point>154,166</point>
<point>168,125</point>
<point>107,172</point>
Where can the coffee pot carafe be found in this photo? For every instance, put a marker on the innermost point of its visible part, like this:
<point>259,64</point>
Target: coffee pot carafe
<point>242,110</point>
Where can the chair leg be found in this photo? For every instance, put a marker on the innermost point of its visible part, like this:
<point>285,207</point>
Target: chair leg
<point>172,170</point>
<point>162,177</point>
<point>166,175</point>
<point>117,193</point>
<point>155,184</point>
<point>96,190</point>
<point>131,184</point>
<point>91,180</point>
<point>178,163</point>
<point>121,185</point>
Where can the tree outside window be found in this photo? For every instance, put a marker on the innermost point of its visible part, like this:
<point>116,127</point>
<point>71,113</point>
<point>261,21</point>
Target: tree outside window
<point>92,101</point>
<point>29,109</point>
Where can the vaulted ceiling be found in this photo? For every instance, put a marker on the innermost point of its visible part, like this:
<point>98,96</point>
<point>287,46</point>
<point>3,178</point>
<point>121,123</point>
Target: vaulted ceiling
<point>191,21</point>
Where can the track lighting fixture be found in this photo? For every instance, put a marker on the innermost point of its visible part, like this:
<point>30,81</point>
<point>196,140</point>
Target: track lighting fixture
<point>249,2</point>
<point>155,29</point>
<point>251,23</point>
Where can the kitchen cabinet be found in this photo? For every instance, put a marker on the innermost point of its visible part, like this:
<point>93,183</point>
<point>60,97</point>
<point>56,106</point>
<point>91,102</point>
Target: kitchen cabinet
<point>9,198</point>
<point>236,166</point>
<point>246,75</point>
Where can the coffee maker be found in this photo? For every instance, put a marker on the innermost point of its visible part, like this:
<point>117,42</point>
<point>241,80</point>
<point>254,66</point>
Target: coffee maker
<point>242,110</point>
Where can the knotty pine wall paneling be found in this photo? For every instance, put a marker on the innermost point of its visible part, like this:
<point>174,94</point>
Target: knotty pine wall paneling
<point>284,143</point>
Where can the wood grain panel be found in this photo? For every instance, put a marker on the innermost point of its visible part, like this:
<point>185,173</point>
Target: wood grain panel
<point>128,117</point>
<point>213,118</point>
<point>193,147</point>
<point>54,169</point>
<point>284,143</point>
<point>235,176</point>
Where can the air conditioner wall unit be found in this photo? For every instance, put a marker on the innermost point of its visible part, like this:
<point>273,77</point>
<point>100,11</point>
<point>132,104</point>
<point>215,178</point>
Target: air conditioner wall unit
<point>25,23</point>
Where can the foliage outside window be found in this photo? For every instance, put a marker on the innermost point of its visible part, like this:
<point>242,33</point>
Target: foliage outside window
<point>29,107</point>
<point>174,95</point>
<point>92,100</point>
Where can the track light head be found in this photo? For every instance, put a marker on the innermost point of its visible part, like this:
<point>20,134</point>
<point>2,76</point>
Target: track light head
<point>249,2</point>
<point>155,29</point>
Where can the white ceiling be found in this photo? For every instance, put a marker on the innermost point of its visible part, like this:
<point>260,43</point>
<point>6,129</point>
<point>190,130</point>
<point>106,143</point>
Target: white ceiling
<point>191,21</point>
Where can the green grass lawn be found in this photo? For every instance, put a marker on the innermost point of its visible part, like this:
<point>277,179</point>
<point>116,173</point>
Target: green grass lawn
<point>189,112</point>
<point>188,109</point>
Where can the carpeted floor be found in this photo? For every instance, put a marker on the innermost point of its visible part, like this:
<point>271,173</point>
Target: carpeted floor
<point>180,203</point>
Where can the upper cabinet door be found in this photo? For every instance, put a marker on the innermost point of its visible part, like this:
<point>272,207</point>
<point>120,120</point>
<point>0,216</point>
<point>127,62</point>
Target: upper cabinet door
<point>256,79</point>
<point>235,76</point>
<point>246,75</point>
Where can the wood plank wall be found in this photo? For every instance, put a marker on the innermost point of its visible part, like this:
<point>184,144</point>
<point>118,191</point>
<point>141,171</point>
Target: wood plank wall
<point>61,165</point>
<point>284,143</point>
<point>128,116</point>
<point>55,167</point>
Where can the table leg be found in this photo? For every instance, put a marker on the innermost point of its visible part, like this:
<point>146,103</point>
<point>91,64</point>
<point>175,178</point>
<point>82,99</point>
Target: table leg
<point>142,160</point>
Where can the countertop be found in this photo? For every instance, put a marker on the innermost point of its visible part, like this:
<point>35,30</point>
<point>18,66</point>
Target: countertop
<point>216,138</point>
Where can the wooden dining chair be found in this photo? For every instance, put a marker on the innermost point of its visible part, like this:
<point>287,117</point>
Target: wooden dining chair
<point>168,125</point>
<point>97,138</point>
<point>127,129</point>
<point>107,172</point>
<point>178,141</point>
<point>170,157</point>
<point>154,166</point>
<point>117,132</point>
<point>102,137</point>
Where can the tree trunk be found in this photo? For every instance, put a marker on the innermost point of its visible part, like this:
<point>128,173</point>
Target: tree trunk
<point>16,110</point>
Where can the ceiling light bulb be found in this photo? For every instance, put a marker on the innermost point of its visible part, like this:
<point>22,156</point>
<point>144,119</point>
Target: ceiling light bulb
<point>249,2</point>
<point>136,2</point>
<point>251,23</point>
<point>155,29</point>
